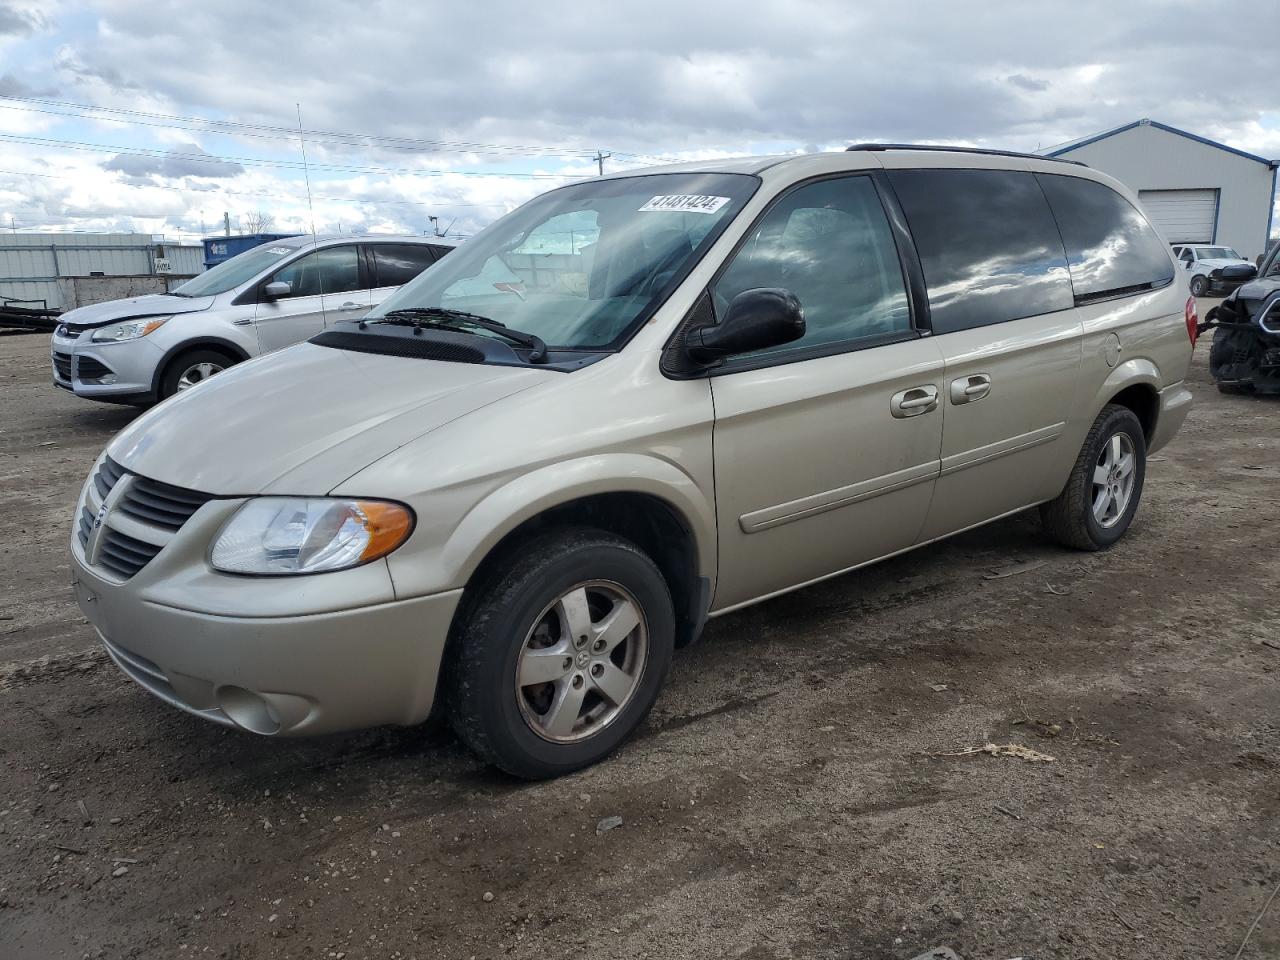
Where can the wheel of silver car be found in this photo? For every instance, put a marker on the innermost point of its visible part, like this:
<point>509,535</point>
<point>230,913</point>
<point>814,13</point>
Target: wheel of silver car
<point>558,652</point>
<point>581,663</point>
<point>190,368</point>
<point>1198,285</point>
<point>1097,505</point>
<point>196,373</point>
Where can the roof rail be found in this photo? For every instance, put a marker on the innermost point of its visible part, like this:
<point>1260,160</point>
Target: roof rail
<point>946,149</point>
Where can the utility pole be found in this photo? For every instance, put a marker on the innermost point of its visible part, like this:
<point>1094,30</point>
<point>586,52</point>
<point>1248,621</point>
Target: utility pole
<point>226,224</point>
<point>600,158</point>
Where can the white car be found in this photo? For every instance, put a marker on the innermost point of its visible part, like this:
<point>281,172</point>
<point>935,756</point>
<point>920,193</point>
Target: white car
<point>144,349</point>
<point>1204,269</point>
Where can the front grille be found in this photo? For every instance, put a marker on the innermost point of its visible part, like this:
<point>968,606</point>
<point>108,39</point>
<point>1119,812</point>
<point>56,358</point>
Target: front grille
<point>62,365</point>
<point>161,504</point>
<point>89,368</point>
<point>107,477</point>
<point>155,512</point>
<point>123,555</point>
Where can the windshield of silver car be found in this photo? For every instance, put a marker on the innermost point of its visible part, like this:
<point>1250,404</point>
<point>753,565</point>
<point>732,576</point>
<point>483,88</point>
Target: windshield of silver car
<point>583,266</point>
<point>229,274</point>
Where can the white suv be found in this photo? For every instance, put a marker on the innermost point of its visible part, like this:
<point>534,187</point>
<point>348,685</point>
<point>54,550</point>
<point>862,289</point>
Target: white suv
<point>144,349</point>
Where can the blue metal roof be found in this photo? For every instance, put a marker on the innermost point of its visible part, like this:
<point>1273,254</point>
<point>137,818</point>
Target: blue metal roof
<point>1077,144</point>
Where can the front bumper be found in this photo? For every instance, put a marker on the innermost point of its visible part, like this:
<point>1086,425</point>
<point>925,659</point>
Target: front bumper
<point>321,673</point>
<point>271,655</point>
<point>110,371</point>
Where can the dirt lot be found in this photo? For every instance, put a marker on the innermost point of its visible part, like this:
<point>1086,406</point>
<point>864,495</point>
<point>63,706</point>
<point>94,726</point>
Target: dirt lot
<point>781,801</point>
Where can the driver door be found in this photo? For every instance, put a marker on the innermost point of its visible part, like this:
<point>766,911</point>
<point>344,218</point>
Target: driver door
<point>826,449</point>
<point>319,283</point>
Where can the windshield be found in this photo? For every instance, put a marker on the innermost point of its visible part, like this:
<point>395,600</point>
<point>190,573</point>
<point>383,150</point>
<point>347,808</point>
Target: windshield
<point>1216,253</point>
<point>231,273</point>
<point>583,266</point>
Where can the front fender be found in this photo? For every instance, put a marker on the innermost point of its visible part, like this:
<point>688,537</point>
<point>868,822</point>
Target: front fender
<point>533,493</point>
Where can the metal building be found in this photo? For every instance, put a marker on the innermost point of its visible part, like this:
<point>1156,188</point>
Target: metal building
<point>65,270</point>
<point>1193,189</point>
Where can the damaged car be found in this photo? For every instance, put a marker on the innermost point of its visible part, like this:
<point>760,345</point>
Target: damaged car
<point>1245,357</point>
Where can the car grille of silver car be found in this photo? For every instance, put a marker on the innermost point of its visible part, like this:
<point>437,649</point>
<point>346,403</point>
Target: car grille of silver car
<point>62,365</point>
<point>90,368</point>
<point>139,520</point>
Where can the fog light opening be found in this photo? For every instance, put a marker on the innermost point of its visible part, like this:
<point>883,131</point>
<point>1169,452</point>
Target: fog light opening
<point>248,710</point>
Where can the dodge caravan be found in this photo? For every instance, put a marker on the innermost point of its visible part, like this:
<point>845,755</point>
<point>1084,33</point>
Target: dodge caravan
<point>143,349</point>
<point>634,403</point>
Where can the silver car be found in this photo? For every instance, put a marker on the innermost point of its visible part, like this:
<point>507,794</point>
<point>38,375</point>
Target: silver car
<point>636,402</point>
<point>143,349</point>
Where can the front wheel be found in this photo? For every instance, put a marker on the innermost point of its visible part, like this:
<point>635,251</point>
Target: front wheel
<point>1097,505</point>
<point>1199,285</point>
<point>191,368</point>
<point>561,655</point>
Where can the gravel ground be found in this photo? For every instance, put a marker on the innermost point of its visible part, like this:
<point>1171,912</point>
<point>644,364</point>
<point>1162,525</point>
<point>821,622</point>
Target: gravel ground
<point>797,791</point>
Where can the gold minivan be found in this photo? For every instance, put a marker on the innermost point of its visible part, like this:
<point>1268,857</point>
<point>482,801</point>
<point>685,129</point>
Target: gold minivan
<point>634,403</point>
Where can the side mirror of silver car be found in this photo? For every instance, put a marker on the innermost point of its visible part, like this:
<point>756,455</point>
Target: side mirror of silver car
<point>277,289</point>
<point>757,319</point>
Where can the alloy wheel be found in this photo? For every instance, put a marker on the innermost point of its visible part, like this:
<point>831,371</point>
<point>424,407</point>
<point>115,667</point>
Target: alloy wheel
<point>198,373</point>
<point>1113,480</point>
<point>582,661</point>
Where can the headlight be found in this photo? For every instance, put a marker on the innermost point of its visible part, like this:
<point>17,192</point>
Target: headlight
<point>282,535</point>
<point>129,330</point>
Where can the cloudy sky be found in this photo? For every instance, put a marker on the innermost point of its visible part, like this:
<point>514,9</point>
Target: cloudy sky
<point>158,117</point>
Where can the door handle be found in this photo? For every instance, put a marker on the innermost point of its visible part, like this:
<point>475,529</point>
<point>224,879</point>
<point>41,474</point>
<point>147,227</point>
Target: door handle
<point>913,402</point>
<point>969,389</point>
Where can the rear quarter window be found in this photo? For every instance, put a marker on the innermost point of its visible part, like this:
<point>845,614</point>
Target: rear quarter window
<point>988,245</point>
<point>1111,248</point>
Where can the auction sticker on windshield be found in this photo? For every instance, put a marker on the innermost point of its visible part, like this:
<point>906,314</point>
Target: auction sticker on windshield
<point>685,203</point>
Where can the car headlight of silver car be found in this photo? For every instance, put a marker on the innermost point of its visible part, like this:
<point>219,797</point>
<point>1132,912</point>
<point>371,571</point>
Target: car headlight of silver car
<point>128,330</point>
<point>288,535</point>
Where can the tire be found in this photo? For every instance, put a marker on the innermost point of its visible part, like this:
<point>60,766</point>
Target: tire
<point>1071,518</point>
<point>516,613</point>
<point>1230,361</point>
<point>1198,285</point>
<point>1234,389</point>
<point>184,363</point>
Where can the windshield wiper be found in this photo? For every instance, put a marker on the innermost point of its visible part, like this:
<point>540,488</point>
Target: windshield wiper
<point>445,319</point>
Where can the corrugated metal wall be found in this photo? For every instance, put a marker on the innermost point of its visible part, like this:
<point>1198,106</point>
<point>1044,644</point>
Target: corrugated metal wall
<point>30,263</point>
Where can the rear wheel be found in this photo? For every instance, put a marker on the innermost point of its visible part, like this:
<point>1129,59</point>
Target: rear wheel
<point>1101,496</point>
<point>191,368</point>
<point>561,654</point>
<point>1199,285</point>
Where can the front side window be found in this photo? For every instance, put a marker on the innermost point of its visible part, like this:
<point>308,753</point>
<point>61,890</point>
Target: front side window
<point>1110,245</point>
<point>330,270</point>
<point>398,263</point>
<point>828,243</point>
<point>585,265</point>
<point>988,245</point>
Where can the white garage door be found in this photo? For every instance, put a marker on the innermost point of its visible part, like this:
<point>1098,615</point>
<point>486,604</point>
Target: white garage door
<point>1183,216</point>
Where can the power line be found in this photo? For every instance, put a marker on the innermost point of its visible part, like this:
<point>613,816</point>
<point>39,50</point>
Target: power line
<point>273,131</point>
<point>156,153</point>
<point>219,192</point>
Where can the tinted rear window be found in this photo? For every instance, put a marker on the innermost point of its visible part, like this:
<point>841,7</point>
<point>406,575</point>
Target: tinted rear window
<point>988,244</point>
<point>1111,247</point>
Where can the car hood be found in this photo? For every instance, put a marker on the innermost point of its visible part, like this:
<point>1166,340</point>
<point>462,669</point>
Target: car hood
<point>1214,264</point>
<point>132,308</point>
<point>302,420</point>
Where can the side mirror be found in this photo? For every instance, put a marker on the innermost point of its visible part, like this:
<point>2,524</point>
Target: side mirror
<point>277,289</point>
<point>756,320</point>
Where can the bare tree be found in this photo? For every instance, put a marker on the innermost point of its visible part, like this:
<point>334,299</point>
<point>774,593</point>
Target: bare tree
<point>260,222</point>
